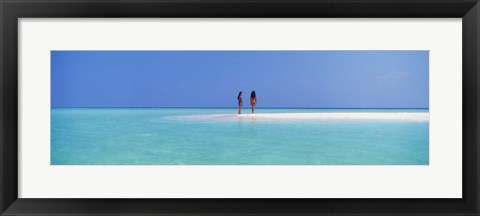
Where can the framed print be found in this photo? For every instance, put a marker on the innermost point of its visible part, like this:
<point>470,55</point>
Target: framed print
<point>253,108</point>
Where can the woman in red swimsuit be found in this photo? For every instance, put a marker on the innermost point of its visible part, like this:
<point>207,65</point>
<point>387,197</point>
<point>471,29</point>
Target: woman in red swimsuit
<point>253,100</point>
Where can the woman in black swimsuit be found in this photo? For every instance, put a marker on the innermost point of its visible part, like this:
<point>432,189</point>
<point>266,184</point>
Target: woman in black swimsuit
<point>240,103</point>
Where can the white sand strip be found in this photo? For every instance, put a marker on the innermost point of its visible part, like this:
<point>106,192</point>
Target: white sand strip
<point>395,116</point>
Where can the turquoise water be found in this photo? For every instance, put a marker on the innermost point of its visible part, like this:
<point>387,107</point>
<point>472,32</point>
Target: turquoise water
<point>155,136</point>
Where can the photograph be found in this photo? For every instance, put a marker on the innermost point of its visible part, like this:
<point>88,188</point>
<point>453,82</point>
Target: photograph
<point>239,107</point>
<point>319,107</point>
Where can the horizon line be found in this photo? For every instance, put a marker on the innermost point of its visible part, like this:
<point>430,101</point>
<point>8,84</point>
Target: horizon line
<point>255,108</point>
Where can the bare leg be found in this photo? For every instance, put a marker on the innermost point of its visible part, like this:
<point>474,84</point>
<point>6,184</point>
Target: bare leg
<point>253,108</point>
<point>239,109</point>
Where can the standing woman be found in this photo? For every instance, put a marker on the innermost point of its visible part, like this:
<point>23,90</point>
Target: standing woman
<point>253,100</point>
<point>240,103</point>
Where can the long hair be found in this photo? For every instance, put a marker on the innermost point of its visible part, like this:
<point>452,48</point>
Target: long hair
<point>253,95</point>
<point>238,97</point>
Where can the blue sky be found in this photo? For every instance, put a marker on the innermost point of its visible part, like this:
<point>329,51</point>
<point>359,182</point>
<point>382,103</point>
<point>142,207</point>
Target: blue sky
<point>313,79</point>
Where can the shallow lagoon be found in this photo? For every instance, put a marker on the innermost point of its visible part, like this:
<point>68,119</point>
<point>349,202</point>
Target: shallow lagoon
<point>161,136</point>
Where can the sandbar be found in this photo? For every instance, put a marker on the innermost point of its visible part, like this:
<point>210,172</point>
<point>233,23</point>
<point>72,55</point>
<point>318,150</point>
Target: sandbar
<point>340,116</point>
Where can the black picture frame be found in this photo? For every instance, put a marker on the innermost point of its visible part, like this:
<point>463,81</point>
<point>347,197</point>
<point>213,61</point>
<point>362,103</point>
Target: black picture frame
<point>12,10</point>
